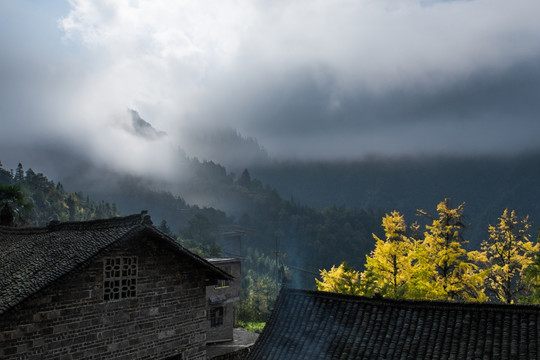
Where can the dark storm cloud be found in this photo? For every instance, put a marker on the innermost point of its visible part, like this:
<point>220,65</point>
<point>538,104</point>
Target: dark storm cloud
<point>490,112</point>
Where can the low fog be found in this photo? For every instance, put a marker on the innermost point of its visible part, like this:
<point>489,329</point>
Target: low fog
<point>305,80</point>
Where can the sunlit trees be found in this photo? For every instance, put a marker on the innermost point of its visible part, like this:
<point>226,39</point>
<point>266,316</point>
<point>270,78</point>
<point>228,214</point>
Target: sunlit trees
<point>506,255</point>
<point>388,267</point>
<point>342,279</point>
<point>443,269</point>
<point>258,292</point>
<point>258,297</point>
<point>406,264</point>
<point>35,200</point>
<point>532,278</point>
<point>436,266</point>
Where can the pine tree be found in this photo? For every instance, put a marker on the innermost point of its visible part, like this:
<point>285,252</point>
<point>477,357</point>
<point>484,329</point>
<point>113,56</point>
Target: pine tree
<point>71,203</point>
<point>5,176</point>
<point>245,179</point>
<point>164,228</point>
<point>19,174</point>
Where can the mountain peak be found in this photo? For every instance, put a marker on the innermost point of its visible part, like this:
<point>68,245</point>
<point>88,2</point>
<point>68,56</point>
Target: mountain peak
<point>143,128</point>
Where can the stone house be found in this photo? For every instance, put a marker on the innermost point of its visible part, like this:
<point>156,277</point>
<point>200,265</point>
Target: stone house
<point>222,298</point>
<point>320,325</point>
<point>104,289</point>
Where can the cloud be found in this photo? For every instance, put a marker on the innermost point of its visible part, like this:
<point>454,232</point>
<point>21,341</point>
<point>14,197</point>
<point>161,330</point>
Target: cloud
<point>305,78</point>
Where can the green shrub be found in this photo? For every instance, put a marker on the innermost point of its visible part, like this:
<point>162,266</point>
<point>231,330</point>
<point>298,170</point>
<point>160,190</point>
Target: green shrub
<point>256,327</point>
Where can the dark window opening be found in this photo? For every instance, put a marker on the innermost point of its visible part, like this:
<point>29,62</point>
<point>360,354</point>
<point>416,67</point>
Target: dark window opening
<point>216,317</point>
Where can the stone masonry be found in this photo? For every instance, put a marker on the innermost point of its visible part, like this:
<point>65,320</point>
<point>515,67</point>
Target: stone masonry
<point>224,295</point>
<point>69,319</point>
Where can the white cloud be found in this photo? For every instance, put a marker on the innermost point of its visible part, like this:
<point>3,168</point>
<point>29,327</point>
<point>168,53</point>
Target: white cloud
<point>311,67</point>
<point>190,45</point>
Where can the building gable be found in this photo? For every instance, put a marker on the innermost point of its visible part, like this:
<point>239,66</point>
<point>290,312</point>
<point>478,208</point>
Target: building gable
<point>115,288</point>
<point>72,318</point>
<point>34,258</point>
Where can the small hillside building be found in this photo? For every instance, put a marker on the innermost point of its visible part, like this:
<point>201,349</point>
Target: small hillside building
<point>222,299</point>
<point>104,289</point>
<point>320,325</point>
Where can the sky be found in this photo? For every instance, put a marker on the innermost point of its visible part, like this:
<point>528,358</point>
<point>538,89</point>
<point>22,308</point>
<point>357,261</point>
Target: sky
<point>308,79</point>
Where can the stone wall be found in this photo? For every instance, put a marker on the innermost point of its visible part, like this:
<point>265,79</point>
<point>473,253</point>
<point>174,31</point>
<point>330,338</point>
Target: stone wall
<point>230,296</point>
<point>70,319</point>
<point>234,355</point>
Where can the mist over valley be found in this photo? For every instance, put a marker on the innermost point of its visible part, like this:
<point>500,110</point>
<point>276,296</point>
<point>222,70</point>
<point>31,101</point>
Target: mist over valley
<point>298,124</point>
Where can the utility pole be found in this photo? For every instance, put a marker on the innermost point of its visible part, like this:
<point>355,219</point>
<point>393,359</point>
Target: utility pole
<point>277,266</point>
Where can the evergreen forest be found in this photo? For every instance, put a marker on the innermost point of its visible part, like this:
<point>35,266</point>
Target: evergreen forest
<point>281,240</point>
<point>289,236</point>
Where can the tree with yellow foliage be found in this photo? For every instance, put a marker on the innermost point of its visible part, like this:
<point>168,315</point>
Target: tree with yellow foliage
<point>532,278</point>
<point>343,279</point>
<point>443,269</point>
<point>436,266</point>
<point>388,266</point>
<point>506,256</point>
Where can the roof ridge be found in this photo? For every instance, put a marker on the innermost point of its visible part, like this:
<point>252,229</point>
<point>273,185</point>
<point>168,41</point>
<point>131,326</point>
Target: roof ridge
<point>135,219</point>
<point>435,304</point>
<point>72,245</point>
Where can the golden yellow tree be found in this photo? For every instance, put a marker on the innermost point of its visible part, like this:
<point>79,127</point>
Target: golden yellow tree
<point>443,269</point>
<point>388,266</point>
<point>342,279</point>
<point>532,278</point>
<point>506,256</point>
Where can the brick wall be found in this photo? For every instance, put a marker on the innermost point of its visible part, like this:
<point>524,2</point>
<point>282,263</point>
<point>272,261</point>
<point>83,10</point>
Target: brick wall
<point>70,320</point>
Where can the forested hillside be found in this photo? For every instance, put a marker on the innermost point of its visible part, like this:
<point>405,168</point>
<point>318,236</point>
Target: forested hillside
<point>44,201</point>
<point>307,239</point>
<point>487,185</point>
<point>322,214</point>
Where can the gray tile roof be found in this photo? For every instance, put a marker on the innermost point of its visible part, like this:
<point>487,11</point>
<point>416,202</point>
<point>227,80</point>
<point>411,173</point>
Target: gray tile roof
<point>320,325</point>
<point>33,258</point>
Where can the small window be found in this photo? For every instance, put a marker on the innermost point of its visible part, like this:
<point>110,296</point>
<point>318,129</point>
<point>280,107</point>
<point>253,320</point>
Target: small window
<point>216,317</point>
<point>120,278</point>
<point>224,283</point>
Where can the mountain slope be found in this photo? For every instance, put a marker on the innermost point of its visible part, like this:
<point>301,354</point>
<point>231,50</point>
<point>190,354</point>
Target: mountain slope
<point>488,185</point>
